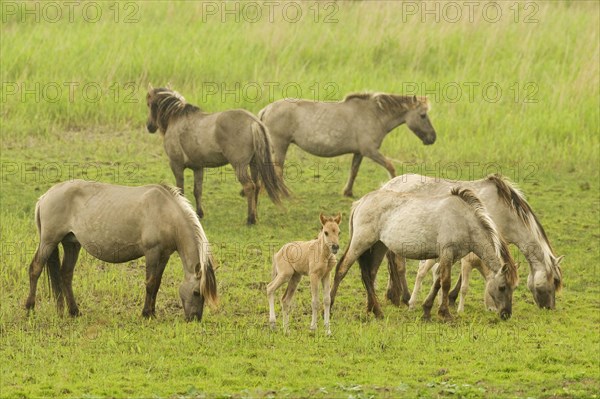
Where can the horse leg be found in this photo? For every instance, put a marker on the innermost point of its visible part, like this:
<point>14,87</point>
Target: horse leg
<point>314,291</point>
<point>177,170</point>
<point>66,271</point>
<point>453,295</point>
<point>342,267</point>
<point>326,302</point>
<point>45,253</point>
<point>198,180</point>
<point>369,263</point>
<point>465,272</point>
<point>445,269</point>
<point>280,148</point>
<point>280,278</point>
<point>424,267</point>
<point>356,160</point>
<point>241,172</point>
<point>286,300</point>
<point>155,266</point>
<point>428,303</point>
<point>383,161</point>
<point>254,175</point>
<point>397,285</point>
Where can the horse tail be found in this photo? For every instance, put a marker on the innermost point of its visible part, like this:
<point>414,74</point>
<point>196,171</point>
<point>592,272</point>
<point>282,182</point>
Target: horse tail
<point>263,160</point>
<point>208,282</point>
<point>262,112</point>
<point>52,265</point>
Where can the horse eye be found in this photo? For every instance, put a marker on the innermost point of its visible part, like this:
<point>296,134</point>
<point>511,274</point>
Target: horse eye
<point>196,293</point>
<point>326,233</point>
<point>423,116</point>
<point>502,288</point>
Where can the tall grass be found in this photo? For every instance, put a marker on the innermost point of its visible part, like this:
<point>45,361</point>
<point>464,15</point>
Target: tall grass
<point>547,70</point>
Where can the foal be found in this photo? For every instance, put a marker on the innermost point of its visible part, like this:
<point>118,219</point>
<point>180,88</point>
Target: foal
<point>314,258</point>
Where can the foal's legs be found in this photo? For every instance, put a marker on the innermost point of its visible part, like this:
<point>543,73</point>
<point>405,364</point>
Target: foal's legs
<point>314,291</point>
<point>424,267</point>
<point>66,271</point>
<point>155,266</point>
<point>241,172</point>
<point>445,269</point>
<point>286,299</point>
<point>254,175</point>
<point>198,177</point>
<point>326,302</point>
<point>356,160</point>
<point>281,278</point>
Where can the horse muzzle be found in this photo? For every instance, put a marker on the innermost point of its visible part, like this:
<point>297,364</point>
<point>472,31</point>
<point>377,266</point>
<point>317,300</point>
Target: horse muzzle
<point>335,248</point>
<point>505,314</point>
<point>151,128</point>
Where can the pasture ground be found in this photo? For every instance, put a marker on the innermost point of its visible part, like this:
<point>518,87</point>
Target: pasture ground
<point>541,131</point>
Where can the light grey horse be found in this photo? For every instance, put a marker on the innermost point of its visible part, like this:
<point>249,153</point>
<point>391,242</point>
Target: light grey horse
<point>447,227</point>
<point>196,140</point>
<point>117,224</point>
<point>357,125</point>
<point>516,222</point>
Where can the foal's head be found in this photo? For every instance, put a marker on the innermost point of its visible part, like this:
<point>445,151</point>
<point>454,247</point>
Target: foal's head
<point>417,120</point>
<point>330,231</point>
<point>192,299</point>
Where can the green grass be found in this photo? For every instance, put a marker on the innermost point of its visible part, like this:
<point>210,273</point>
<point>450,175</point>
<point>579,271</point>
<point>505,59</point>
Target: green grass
<point>549,147</point>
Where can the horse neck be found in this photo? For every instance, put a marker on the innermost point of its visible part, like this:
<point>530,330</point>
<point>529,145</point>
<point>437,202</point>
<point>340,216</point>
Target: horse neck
<point>188,248</point>
<point>324,250</point>
<point>394,118</point>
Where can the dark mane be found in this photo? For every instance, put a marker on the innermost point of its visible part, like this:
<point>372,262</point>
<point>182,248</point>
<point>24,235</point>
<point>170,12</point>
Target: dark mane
<point>390,102</point>
<point>500,244</point>
<point>168,105</point>
<point>516,200</point>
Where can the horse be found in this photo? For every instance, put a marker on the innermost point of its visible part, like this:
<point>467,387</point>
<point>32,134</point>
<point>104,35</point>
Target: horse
<point>314,258</point>
<point>357,124</point>
<point>196,140</point>
<point>516,222</point>
<point>446,227</point>
<point>117,224</point>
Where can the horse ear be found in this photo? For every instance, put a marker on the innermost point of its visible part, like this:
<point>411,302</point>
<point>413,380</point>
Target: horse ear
<point>322,218</point>
<point>338,218</point>
<point>559,259</point>
<point>150,88</point>
<point>504,269</point>
<point>169,85</point>
<point>414,99</point>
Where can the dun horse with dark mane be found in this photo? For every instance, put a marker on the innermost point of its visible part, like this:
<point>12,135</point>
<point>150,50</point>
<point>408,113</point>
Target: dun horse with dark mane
<point>196,140</point>
<point>356,125</point>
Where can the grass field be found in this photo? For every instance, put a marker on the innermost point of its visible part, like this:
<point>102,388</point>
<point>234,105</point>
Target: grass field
<point>514,90</point>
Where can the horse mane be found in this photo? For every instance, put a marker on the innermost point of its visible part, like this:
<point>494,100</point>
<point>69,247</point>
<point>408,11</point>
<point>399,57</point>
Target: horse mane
<point>500,245</point>
<point>516,200</point>
<point>206,259</point>
<point>170,105</point>
<point>388,102</point>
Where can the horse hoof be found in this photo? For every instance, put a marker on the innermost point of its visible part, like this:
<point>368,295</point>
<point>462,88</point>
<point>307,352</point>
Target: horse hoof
<point>251,221</point>
<point>446,316</point>
<point>272,325</point>
<point>348,194</point>
<point>74,313</point>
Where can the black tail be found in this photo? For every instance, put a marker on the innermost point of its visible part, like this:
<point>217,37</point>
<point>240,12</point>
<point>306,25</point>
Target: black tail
<point>52,266</point>
<point>265,165</point>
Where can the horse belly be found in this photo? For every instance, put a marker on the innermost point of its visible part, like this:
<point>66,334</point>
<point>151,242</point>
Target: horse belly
<point>112,251</point>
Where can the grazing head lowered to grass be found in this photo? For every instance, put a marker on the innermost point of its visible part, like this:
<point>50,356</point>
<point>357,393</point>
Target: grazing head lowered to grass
<point>117,224</point>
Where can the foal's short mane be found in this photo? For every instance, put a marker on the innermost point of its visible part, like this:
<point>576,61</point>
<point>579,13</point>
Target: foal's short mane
<point>515,199</point>
<point>170,104</point>
<point>386,102</point>
<point>500,246</point>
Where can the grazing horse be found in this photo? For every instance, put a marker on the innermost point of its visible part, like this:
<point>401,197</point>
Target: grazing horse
<point>516,222</point>
<point>196,140</point>
<point>117,224</point>
<point>447,227</point>
<point>314,258</point>
<point>357,125</point>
